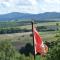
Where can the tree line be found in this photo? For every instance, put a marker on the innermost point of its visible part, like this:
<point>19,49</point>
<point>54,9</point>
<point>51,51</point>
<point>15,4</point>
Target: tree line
<point>12,30</point>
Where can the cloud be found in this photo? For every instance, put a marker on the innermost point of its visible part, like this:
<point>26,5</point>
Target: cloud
<point>52,5</point>
<point>29,6</point>
<point>34,2</point>
<point>4,0</point>
<point>26,6</point>
<point>52,1</point>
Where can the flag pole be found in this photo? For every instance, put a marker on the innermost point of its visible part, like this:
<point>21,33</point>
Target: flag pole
<point>33,39</point>
<point>37,56</point>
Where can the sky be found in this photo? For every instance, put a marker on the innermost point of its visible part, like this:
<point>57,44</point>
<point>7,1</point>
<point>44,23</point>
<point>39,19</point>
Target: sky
<point>29,6</point>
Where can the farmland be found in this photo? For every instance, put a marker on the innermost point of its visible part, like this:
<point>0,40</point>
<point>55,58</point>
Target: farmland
<point>19,34</point>
<point>23,32</point>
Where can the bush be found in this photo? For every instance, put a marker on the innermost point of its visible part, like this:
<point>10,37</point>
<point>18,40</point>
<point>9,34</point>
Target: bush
<point>8,52</point>
<point>54,53</point>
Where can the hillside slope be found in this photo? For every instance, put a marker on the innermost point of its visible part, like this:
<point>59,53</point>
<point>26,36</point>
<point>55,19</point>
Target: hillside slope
<point>42,16</point>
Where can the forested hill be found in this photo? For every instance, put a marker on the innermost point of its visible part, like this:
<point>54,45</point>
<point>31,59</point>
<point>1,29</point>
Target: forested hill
<point>54,16</point>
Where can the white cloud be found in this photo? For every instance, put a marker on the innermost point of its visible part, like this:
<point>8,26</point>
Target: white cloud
<point>52,1</point>
<point>34,2</point>
<point>29,6</point>
<point>4,1</point>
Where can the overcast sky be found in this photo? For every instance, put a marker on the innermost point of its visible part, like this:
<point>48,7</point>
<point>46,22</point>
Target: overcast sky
<point>29,6</point>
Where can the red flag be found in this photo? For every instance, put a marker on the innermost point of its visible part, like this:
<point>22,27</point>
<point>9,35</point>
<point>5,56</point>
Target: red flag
<point>38,43</point>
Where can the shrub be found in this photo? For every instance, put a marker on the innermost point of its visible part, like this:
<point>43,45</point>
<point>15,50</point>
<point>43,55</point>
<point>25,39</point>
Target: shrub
<point>8,52</point>
<point>54,53</point>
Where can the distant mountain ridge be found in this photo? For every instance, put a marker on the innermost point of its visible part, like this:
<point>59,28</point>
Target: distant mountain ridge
<point>42,16</point>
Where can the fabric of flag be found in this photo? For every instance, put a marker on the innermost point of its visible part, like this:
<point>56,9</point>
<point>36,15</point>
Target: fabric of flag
<point>38,43</point>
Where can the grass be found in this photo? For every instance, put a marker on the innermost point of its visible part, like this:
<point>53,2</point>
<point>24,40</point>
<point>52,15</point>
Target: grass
<point>26,38</point>
<point>23,38</point>
<point>45,35</point>
<point>48,36</point>
<point>16,24</point>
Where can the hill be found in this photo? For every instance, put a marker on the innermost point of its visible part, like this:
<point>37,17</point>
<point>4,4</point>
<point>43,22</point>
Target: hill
<point>49,16</point>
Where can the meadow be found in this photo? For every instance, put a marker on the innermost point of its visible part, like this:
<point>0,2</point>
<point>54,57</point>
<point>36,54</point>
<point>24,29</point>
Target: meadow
<point>20,35</point>
<point>47,30</point>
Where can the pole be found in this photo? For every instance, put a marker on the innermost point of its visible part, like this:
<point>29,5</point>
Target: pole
<point>36,56</point>
<point>33,39</point>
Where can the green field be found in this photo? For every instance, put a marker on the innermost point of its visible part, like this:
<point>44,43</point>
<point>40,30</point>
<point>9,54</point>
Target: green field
<point>19,34</point>
<point>24,37</point>
<point>46,35</point>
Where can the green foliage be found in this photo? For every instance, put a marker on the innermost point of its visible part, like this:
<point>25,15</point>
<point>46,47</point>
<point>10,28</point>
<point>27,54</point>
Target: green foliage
<point>8,52</point>
<point>54,52</point>
<point>57,24</point>
<point>12,30</point>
